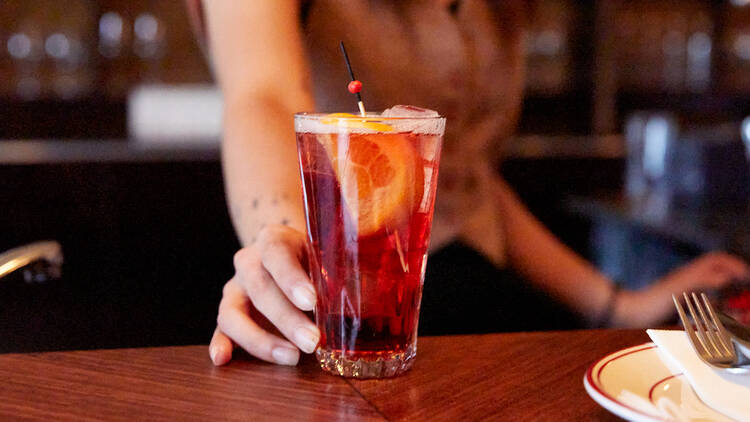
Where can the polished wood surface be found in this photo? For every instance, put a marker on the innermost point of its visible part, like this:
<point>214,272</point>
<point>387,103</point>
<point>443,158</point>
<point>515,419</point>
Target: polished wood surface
<point>172,383</point>
<point>524,376</point>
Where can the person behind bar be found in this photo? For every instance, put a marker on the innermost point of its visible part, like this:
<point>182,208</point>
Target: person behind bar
<point>492,266</point>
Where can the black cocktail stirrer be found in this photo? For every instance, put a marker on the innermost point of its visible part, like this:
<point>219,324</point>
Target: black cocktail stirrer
<point>355,86</point>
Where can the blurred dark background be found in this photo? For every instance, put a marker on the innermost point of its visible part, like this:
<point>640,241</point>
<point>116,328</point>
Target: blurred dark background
<point>629,149</point>
<point>67,68</point>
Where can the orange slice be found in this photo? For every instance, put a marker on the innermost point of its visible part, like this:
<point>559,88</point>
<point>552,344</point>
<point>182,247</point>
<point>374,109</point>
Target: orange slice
<point>348,120</point>
<point>381,177</point>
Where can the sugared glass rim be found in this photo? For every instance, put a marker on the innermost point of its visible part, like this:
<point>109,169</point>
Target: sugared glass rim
<point>369,116</point>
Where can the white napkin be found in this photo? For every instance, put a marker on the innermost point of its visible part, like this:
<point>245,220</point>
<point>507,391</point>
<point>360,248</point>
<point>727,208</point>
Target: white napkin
<point>724,392</point>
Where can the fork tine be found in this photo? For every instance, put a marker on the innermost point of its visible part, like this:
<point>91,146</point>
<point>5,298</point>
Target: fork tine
<point>708,328</point>
<point>689,330</point>
<point>721,331</point>
<point>698,327</point>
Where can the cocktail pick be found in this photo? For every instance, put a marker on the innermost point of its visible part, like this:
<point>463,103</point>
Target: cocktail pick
<point>355,86</point>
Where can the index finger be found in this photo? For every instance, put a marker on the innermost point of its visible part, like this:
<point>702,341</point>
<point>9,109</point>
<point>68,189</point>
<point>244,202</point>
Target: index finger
<point>220,348</point>
<point>281,257</point>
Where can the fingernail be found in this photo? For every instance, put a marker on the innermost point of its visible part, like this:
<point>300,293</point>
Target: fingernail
<point>304,297</point>
<point>285,356</point>
<point>306,339</point>
<point>212,351</point>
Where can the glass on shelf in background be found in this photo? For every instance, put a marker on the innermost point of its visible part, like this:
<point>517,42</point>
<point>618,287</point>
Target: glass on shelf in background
<point>698,71</point>
<point>664,47</point>
<point>547,47</point>
<point>111,34</point>
<point>48,45</point>
<point>71,78</point>
<point>25,52</point>
<point>67,67</point>
<point>79,49</point>
<point>149,43</point>
<point>132,43</point>
<point>735,50</point>
<point>144,42</point>
<point>649,137</point>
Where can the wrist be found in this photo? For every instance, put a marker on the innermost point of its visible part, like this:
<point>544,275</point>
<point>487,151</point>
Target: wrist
<point>641,308</point>
<point>609,313</point>
<point>624,309</point>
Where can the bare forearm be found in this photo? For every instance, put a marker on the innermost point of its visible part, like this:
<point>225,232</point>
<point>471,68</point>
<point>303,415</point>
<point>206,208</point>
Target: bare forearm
<point>260,65</point>
<point>260,168</point>
<point>537,254</point>
<point>546,262</point>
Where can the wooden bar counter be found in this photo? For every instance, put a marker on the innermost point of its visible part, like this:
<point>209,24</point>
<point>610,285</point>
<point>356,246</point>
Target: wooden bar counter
<point>514,376</point>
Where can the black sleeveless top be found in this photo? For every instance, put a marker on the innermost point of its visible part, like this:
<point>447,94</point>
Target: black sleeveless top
<point>465,293</point>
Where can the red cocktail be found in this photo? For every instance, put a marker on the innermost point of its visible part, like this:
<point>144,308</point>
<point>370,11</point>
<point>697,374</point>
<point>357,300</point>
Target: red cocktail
<point>369,190</point>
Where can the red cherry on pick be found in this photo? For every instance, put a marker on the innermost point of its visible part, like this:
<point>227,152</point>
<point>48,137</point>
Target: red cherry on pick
<point>355,86</point>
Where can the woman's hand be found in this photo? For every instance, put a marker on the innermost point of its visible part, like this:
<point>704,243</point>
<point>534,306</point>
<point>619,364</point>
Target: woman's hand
<point>654,305</point>
<point>262,305</point>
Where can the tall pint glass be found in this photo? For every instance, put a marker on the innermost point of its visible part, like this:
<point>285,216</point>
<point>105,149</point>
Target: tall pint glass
<point>369,192</point>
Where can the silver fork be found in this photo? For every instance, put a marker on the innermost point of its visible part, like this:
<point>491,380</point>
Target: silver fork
<point>710,340</point>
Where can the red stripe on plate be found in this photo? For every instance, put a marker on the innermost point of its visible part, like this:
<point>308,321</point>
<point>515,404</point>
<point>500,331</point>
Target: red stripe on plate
<point>653,387</point>
<point>595,385</point>
<point>601,368</point>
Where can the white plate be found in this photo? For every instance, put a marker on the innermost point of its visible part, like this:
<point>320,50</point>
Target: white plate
<point>635,384</point>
